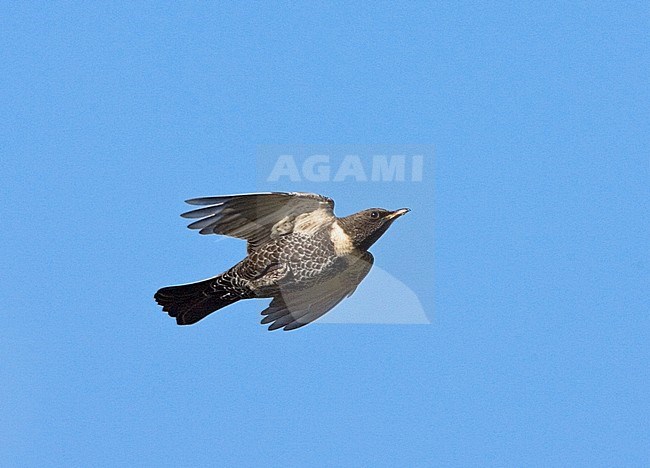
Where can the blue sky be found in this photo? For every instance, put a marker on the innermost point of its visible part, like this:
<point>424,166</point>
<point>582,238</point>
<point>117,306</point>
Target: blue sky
<point>527,246</point>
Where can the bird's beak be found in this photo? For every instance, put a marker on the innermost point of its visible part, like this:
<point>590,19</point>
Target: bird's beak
<point>397,213</point>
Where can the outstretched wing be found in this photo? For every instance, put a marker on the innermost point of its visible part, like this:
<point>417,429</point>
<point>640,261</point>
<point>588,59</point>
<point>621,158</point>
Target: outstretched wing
<point>255,217</point>
<point>296,307</point>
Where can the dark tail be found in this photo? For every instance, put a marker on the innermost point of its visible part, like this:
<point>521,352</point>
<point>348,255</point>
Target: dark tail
<point>189,303</point>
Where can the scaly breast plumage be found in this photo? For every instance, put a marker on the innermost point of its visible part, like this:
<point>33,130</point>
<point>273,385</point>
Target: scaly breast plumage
<point>296,257</point>
<point>307,256</point>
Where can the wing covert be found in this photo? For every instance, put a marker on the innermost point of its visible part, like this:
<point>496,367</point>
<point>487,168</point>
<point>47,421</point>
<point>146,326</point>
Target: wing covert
<point>253,216</point>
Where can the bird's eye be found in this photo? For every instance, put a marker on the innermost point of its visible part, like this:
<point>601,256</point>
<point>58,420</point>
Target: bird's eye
<point>374,214</point>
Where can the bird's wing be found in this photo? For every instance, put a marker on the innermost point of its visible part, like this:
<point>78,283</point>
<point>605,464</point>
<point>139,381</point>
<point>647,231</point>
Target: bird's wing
<point>296,307</point>
<point>255,216</point>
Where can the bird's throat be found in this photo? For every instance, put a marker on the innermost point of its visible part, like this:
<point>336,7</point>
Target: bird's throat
<point>342,242</point>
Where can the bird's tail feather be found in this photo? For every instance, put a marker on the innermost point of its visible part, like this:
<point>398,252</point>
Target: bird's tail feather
<point>189,303</point>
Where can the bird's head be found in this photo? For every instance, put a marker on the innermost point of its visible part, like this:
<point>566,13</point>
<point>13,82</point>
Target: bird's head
<point>365,227</point>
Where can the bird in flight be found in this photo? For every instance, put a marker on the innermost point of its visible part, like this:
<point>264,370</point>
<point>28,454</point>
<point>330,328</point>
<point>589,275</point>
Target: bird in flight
<point>299,254</point>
